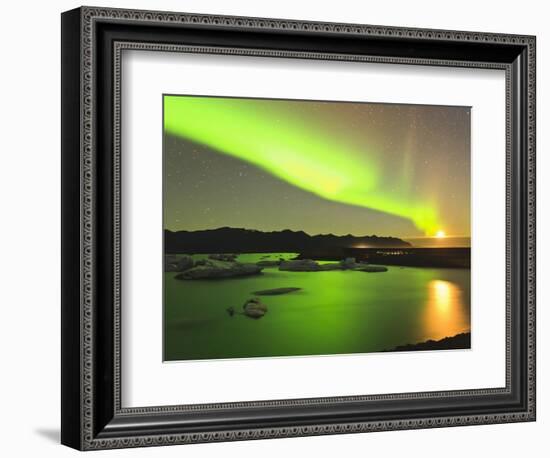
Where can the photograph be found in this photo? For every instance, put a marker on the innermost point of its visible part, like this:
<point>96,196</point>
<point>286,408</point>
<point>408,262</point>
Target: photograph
<point>314,227</point>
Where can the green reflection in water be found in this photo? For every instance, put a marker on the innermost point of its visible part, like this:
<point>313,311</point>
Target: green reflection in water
<point>336,312</point>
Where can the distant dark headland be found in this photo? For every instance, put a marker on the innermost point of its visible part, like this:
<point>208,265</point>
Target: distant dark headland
<point>233,240</point>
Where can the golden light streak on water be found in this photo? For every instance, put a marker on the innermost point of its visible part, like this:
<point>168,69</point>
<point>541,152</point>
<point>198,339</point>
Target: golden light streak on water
<point>444,314</point>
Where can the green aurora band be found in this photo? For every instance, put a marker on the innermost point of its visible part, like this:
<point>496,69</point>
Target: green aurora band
<point>267,134</point>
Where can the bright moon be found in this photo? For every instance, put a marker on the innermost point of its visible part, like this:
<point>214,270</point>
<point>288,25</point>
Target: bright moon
<point>440,234</point>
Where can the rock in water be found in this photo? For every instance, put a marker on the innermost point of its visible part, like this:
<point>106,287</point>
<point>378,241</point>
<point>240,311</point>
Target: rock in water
<point>300,265</point>
<point>211,269</point>
<point>275,291</point>
<point>348,263</point>
<point>170,267</point>
<point>254,308</point>
<point>184,263</point>
<point>268,263</point>
<point>170,263</point>
<point>170,259</point>
<point>369,268</point>
<point>330,266</point>
<point>174,263</point>
<point>223,257</point>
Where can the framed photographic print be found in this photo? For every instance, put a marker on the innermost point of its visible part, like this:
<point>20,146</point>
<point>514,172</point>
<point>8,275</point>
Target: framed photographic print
<point>277,228</point>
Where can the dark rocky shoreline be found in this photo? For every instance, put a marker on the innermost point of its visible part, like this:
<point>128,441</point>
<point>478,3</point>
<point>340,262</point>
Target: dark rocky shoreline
<point>459,342</point>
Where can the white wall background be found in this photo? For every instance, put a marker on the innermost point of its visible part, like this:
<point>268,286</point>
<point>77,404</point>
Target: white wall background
<point>30,240</point>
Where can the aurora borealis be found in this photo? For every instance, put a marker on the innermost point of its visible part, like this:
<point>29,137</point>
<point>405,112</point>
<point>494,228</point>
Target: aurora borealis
<point>340,167</point>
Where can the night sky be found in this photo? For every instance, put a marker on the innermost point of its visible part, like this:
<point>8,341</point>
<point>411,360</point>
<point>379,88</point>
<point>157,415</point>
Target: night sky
<point>320,167</point>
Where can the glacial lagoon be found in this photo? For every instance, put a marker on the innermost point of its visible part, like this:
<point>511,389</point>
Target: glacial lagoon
<point>333,312</point>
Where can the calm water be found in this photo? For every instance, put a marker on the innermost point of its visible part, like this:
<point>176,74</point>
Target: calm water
<point>335,312</point>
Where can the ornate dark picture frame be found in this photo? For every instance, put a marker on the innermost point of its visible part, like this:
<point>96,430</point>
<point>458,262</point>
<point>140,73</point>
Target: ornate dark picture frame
<point>92,42</point>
